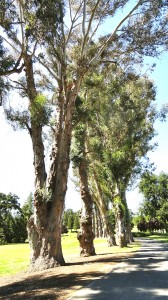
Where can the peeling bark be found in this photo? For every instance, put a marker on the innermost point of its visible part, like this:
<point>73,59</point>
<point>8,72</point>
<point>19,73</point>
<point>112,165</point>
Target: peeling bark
<point>98,231</point>
<point>103,207</point>
<point>86,235</point>
<point>44,228</point>
<point>120,227</point>
<point>129,235</point>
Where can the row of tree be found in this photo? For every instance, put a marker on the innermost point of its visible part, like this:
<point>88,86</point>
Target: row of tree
<point>153,211</point>
<point>81,83</point>
<point>13,218</point>
<point>71,219</point>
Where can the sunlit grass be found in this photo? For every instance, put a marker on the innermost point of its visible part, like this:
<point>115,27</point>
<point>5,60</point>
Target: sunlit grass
<point>102,247</point>
<point>15,257</point>
<point>161,237</point>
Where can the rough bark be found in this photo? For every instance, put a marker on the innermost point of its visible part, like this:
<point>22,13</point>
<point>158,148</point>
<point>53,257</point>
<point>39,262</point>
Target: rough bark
<point>120,227</point>
<point>103,207</point>
<point>44,228</point>
<point>86,235</point>
<point>129,235</point>
<point>98,230</point>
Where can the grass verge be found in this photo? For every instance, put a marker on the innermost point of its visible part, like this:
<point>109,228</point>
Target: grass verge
<point>15,257</point>
<point>161,237</point>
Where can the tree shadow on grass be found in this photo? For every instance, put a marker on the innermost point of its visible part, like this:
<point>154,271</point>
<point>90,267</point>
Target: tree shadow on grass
<point>54,283</point>
<point>50,287</point>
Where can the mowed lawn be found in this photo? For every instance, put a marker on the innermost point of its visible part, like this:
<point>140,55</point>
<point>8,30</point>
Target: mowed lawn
<point>15,257</point>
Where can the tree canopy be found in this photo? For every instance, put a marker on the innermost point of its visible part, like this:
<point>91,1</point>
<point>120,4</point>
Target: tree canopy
<point>154,189</point>
<point>12,220</point>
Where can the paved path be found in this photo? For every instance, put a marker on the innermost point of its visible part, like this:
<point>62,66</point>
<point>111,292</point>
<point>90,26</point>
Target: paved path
<point>142,277</point>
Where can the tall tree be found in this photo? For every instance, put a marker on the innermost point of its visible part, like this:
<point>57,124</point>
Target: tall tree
<point>79,158</point>
<point>12,222</point>
<point>120,136</point>
<point>69,31</point>
<point>27,207</point>
<point>128,138</point>
<point>155,192</point>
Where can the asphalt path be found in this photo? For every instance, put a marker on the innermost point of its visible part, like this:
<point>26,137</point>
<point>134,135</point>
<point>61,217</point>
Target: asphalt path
<point>141,277</point>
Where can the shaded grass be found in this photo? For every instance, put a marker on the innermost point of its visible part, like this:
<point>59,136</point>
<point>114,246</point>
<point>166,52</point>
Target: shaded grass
<point>15,257</point>
<point>161,237</point>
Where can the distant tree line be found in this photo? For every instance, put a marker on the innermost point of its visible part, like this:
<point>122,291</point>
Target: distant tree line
<point>153,212</point>
<point>13,218</point>
<point>71,220</point>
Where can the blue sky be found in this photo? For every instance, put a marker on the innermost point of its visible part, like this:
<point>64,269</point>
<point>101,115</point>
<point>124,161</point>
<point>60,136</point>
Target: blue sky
<point>16,157</point>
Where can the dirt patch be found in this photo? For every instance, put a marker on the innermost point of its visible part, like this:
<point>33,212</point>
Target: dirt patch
<point>58,283</point>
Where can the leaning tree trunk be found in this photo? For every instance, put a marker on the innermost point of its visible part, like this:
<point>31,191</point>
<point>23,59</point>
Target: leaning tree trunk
<point>120,226</point>
<point>44,228</point>
<point>98,231</point>
<point>103,207</point>
<point>129,235</point>
<point>86,235</point>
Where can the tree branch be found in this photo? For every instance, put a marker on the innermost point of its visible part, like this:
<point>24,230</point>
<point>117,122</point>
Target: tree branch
<point>84,17</point>
<point>12,46</point>
<point>72,24</point>
<point>89,26</point>
<point>104,46</point>
<point>16,68</point>
<point>48,69</point>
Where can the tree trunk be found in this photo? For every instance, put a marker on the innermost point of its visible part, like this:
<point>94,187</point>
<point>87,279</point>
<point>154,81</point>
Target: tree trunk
<point>44,228</point>
<point>129,235</point>
<point>103,207</point>
<point>86,235</point>
<point>120,227</point>
<point>98,232</point>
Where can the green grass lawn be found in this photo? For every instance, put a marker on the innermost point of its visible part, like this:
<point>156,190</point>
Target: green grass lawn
<point>15,257</point>
<point>161,237</point>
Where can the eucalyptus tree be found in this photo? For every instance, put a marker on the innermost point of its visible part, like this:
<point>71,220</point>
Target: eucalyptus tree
<point>12,225</point>
<point>154,189</point>
<point>129,122</point>
<point>114,130</point>
<point>118,136</point>
<point>80,163</point>
<point>63,37</point>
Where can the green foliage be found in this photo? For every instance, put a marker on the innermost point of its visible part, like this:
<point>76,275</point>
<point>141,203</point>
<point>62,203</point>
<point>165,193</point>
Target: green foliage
<point>155,191</point>
<point>76,223</point>
<point>12,220</point>
<point>6,62</point>
<point>111,220</point>
<point>71,219</point>
<point>119,205</point>
<point>40,111</point>
<point>78,144</point>
<point>93,80</point>
<point>142,225</point>
<point>8,202</point>
<point>44,19</point>
<point>28,207</point>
